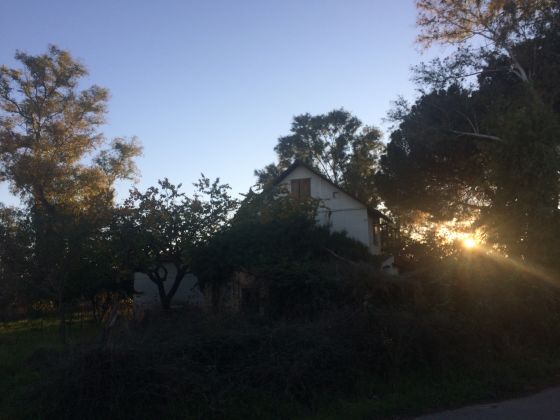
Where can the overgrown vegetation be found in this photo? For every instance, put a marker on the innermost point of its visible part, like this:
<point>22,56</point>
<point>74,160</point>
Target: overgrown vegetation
<point>481,141</point>
<point>276,240</point>
<point>336,337</point>
<point>393,345</point>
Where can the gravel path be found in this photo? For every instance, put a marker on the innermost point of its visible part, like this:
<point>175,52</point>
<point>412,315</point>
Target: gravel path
<point>542,406</point>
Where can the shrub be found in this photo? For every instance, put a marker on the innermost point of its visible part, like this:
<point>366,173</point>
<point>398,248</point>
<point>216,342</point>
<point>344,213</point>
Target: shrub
<point>335,324</point>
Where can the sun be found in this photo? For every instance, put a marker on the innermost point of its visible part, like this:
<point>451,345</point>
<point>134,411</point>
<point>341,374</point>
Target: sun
<point>469,243</point>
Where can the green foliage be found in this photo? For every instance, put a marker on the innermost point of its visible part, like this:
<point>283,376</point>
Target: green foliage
<point>426,167</point>
<point>408,342</point>
<point>337,145</point>
<point>16,257</point>
<point>163,225</point>
<point>95,267</point>
<point>276,238</point>
<point>48,126</point>
<point>487,152</point>
<point>53,156</point>
<point>498,22</point>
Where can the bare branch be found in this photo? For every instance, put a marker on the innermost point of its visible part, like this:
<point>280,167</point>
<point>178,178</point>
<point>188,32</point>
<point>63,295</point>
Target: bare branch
<point>478,135</point>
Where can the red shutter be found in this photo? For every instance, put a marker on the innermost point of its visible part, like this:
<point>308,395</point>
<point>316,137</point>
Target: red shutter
<point>301,188</point>
<point>295,188</point>
<point>305,188</point>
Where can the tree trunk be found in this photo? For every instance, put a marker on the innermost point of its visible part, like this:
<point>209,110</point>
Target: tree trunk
<point>163,298</point>
<point>181,272</point>
<point>166,297</point>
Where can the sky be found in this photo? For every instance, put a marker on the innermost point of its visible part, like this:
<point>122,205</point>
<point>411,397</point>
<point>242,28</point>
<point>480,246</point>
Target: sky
<point>208,86</point>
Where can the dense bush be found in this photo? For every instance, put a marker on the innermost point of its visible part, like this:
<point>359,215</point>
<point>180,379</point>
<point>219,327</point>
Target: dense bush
<point>200,369</point>
<point>463,318</point>
<point>280,244</point>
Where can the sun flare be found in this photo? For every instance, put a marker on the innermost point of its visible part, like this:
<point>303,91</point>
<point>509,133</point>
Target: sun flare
<point>458,232</point>
<point>469,243</point>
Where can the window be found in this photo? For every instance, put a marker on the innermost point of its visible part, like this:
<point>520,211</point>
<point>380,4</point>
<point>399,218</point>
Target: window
<point>301,188</point>
<point>335,194</point>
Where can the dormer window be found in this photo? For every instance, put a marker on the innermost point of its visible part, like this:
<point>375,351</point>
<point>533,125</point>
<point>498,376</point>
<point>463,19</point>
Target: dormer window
<point>301,188</point>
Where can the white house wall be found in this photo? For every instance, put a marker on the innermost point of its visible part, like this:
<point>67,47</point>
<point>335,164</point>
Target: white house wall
<point>341,212</point>
<point>188,291</point>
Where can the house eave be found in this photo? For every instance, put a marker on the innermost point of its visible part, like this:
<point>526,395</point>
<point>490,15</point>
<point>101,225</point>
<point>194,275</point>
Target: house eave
<point>374,213</point>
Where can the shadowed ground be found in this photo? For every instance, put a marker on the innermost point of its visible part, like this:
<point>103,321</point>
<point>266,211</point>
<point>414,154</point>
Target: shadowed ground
<point>542,406</point>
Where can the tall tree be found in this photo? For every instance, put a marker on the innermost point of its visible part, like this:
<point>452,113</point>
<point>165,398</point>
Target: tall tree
<point>56,159</point>
<point>489,151</point>
<point>426,166</point>
<point>502,23</point>
<point>337,145</point>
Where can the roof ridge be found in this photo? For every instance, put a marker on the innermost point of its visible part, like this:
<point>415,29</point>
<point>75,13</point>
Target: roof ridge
<point>298,162</point>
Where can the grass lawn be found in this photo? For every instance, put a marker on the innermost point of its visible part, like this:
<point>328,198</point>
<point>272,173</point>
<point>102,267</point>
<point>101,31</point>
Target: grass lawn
<point>18,342</point>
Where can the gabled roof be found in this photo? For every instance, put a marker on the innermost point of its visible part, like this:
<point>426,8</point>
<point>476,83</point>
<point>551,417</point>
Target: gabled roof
<point>371,211</point>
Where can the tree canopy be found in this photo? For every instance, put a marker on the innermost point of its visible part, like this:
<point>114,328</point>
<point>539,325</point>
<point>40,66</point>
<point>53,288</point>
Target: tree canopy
<point>163,226</point>
<point>49,126</point>
<point>54,157</point>
<point>487,150</point>
<point>336,144</point>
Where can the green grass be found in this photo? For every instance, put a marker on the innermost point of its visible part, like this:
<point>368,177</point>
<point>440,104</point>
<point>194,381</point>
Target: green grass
<point>19,341</point>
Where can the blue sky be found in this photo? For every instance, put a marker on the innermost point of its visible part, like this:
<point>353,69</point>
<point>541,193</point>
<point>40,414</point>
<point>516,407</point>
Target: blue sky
<point>208,86</point>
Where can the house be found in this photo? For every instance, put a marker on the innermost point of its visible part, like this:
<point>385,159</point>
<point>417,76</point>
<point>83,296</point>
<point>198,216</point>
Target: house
<point>147,294</point>
<point>339,210</point>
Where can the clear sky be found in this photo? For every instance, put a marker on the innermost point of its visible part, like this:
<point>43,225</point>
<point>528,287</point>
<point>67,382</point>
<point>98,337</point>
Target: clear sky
<point>208,86</point>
